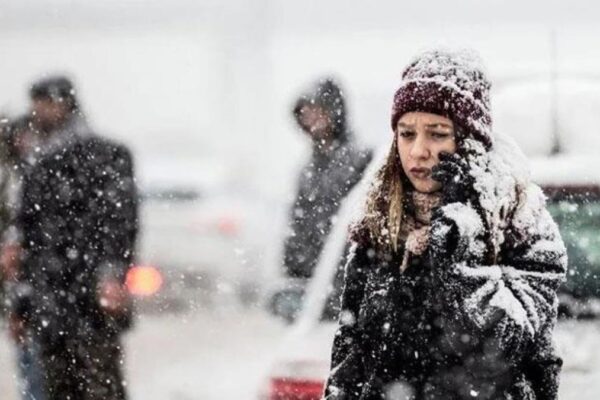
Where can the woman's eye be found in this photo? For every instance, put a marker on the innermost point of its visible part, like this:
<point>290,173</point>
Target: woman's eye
<point>406,134</point>
<point>440,135</point>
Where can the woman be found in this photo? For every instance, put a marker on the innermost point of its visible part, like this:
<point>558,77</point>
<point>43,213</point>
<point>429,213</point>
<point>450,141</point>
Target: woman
<point>450,290</point>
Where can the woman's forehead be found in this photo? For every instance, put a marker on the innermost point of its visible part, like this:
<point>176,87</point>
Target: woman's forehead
<point>423,118</point>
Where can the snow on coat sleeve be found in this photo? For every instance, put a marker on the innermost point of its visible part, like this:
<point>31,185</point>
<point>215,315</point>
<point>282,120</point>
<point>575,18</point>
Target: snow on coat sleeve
<point>347,374</point>
<point>513,301</point>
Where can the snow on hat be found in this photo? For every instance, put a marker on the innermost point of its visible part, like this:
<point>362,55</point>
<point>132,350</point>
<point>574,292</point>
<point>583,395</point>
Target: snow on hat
<point>452,84</point>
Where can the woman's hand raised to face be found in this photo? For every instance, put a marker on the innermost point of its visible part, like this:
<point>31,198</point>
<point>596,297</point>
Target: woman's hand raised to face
<point>461,205</point>
<point>453,173</point>
<point>456,172</point>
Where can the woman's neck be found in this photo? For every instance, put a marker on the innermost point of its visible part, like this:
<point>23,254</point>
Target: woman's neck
<point>423,205</point>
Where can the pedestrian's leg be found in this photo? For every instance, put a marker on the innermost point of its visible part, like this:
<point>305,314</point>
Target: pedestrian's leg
<point>23,366</point>
<point>31,370</point>
<point>59,365</point>
<point>102,368</point>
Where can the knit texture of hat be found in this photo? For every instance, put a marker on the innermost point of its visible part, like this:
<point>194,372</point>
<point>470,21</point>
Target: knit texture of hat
<point>452,84</point>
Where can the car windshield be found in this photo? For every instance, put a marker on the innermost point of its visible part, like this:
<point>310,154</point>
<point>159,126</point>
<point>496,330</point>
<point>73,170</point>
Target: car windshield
<point>579,223</point>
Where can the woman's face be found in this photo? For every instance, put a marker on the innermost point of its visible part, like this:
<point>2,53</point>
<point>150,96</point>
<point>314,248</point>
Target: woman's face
<point>421,138</point>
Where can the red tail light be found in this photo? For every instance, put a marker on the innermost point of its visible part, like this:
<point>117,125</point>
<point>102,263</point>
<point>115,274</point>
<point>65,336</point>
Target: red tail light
<point>228,225</point>
<point>295,389</point>
<point>143,280</point>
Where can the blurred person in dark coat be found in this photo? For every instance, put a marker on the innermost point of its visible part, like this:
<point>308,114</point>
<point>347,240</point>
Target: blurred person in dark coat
<point>336,165</point>
<point>18,154</point>
<point>18,144</point>
<point>78,219</point>
<point>5,273</point>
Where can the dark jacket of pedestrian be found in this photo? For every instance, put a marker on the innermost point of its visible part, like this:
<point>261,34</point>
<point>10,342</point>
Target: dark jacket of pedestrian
<point>335,167</point>
<point>78,219</point>
<point>450,293</point>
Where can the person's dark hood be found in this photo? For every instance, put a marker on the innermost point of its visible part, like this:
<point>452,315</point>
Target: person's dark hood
<point>56,88</point>
<point>328,95</point>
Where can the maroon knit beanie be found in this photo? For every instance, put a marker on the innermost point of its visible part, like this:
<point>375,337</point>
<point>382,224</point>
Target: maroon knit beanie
<point>452,84</point>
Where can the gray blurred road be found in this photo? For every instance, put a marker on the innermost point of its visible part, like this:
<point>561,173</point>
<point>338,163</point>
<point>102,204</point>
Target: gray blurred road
<point>219,354</point>
<point>208,355</point>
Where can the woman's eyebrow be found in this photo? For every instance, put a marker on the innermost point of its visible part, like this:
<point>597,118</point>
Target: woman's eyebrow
<point>439,125</point>
<point>405,125</point>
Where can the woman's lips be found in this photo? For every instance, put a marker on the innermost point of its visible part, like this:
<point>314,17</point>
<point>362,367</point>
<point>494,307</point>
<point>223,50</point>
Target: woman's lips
<point>420,173</point>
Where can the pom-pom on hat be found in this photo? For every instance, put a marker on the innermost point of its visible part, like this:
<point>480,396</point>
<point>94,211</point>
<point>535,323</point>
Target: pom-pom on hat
<point>452,84</point>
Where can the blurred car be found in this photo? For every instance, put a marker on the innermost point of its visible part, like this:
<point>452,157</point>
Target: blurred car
<point>573,189</point>
<point>197,239</point>
<point>301,367</point>
<point>172,271</point>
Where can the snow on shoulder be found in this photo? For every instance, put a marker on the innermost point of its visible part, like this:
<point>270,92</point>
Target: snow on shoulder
<point>518,286</point>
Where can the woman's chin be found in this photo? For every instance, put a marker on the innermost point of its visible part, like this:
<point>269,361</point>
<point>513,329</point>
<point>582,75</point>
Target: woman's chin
<point>426,185</point>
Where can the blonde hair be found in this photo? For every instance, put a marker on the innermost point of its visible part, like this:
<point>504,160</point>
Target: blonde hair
<point>384,207</point>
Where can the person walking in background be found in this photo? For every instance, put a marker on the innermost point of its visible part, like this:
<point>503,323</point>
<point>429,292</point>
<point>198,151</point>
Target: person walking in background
<point>336,165</point>
<point>450,289</point>
<point>78,218</point>
<point>18,141</point>
<point>8,180</point>
<point>19,144</point>
<point>6,274</point>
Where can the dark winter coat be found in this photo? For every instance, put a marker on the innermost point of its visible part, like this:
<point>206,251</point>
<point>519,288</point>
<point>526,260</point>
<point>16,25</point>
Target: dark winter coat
<point>456,328</point>
<point>79,224</point>
<point>329,175</point>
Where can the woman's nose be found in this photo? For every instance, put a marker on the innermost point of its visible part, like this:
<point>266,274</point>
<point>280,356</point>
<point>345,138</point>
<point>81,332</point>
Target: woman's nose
<point>419,148</point>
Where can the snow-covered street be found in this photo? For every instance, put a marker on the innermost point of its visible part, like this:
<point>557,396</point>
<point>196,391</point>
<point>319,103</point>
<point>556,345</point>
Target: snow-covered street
<point>222,354</point>
<point>208,355</point>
